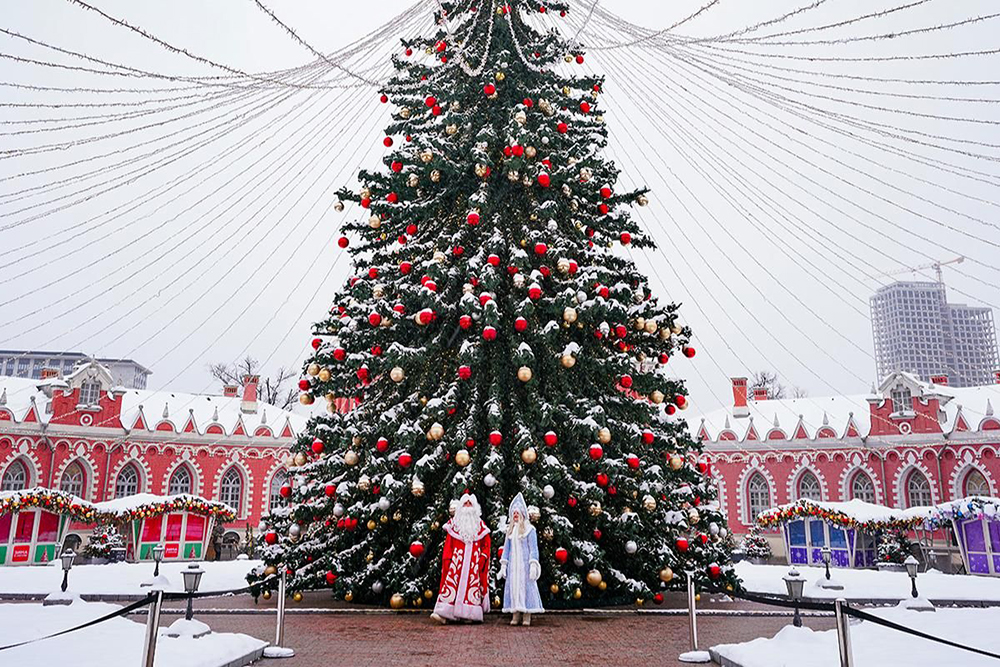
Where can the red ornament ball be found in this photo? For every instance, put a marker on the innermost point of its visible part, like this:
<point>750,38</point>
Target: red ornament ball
<point>330,489</point>
<point>579,60</point>
<point>680,400</point>
<point>585,107</point>
<point>489,333</point>
<point>382,444</point>
<point>416,549</point>
<point>626,381</point>
<point>647,437</point>
<point>571,501</point>
<point>563,128</point>
<point>285,491</point>
<point>714,570</point>
<point>561,555</point>
<point>520,324</point>
<point>383,99</point>
<point>343,241</point>
<point>493,260</point>
<point>465,321</point>
<point>405,460</point>
<point>271,537</point>
<point>597,533</point>
<point>625,238</point>
<point>682,544</point>
<point>605,192</point>
<point>464,372</point>
<point>330,578</point>
<point>317,446</point>
<point>689,352</point>
<point>387,141</point>
<point>396,166</point>
<point>374,319</point>
<point>496,438</point>
<point>596,451</point>
<point>316,342</point>
<point>602,479</point>
<point>633,461</point>
<point>658,598</point>
<point>430,101</point>
<point>303,385</point>
<point>551,438</point>
<point>489,89</point>
<point>473,218</point>
<point>541,248</point>
<point>534,292</point>
<point>544,180</point>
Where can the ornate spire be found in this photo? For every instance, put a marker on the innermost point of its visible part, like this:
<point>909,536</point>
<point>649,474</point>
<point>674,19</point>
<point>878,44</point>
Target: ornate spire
<point>3,397</point>
<point>989,406</point>
<point>166,410</point>
<point>826,419</point>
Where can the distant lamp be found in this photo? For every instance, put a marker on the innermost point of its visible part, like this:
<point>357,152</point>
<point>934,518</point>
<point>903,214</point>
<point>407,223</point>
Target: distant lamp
<point>67,562</point>
<point>794,583</point>
<point>192,579</point>
<point>828,582</point>
<point>158,556</point>
<point>911,569</point>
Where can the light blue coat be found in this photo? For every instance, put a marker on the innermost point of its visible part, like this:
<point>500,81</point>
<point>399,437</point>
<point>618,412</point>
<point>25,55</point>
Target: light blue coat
<point>518,571</point>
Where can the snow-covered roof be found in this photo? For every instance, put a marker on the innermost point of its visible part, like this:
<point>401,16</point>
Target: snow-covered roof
<point>49,499</point>
<point>850,514</point>
<point>843,416</point>
<point>25,399</point>
<point>961,508</point>
<point>146,504</point>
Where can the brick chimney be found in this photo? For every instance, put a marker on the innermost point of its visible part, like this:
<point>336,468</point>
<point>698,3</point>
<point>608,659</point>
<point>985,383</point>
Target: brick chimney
<point>996,376</point>
<point>740,408</point>
<point>230,391</point>
<point>49,373</point>
<point>760,394</point>
<point>249,404</point>
<point>941,380</point>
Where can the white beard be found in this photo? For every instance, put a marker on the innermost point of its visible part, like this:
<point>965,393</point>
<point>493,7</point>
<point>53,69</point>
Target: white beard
<point>466,522</point>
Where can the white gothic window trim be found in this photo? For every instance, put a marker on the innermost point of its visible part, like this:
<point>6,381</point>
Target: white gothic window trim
<point>181,481</point>
<point>918,490</point>
<point>758,495</point>
<point>278,480</point>
<point>15,477</point>
<point>128,481</point>
<point>862,487</point>
<point>73,479</point>
<point>809,486</point>
<point>90,392</point>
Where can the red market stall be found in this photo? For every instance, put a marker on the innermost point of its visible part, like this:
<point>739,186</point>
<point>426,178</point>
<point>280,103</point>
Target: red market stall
<point>33,524</point>
<point>182,524</point>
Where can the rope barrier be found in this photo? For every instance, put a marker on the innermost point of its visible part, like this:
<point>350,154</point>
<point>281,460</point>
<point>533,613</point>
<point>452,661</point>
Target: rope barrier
<point>865,616</point>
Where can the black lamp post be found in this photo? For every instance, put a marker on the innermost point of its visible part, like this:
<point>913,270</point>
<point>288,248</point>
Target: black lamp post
<point>157,556</point>
<point>192,578</point>
<point>826,561</point>
<point>911,569</point>
<point>67,562</point>
<point>795,583</point>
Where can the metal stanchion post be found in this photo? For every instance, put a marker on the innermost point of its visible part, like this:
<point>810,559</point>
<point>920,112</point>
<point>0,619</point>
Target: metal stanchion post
<point>152,629</point>
<point>694,655</point>
<point>277,650</point>
<point>843,633</point>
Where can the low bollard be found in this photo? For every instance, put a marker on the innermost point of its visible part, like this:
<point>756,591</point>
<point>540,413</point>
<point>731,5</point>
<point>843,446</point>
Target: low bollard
<point>694,655</point>
<point>152,629</point>
<point>277,650</point>
<point>843,633</point>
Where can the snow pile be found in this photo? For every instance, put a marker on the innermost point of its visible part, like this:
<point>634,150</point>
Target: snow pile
<point>870,584</point>
<point>146,504</point>
<point>877,645</point>
<point>114,643</point>
<point>121,578</point>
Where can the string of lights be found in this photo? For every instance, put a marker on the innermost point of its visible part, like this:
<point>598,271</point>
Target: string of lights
<point>882,13</point>
<point>888,35</point>
<point>651,36</point>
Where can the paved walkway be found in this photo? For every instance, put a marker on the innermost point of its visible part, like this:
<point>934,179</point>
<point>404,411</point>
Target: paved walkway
<point>331,639</point>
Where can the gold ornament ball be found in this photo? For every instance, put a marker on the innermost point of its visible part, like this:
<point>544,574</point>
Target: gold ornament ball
<point>435,525</point>
<point>405,112</point>
<point>656,396</point>
<point>270,570</point>
<point>371,524</point>
<point>639,602</point>
<point>595,509</point>
<point>462,457</point>
<point>604,435</point>
<point>569,312</point>
<point>435,432</point>
<point>693,517</point>
<point>366,193</point>
<point>351,458</point>
<point>651,326</point>
<point>300,459</point>
<point>640,322</point>
<point>338,206</point>
<point>554,589</point>
<point>324,375</point>
<point>480,170</point>
<point>666,574</point>
<point>428,593</point>
<point>451,129</point>
<point>531,151</point>
<point>649,503</point>
<point>566,90</point>
<point>577,594</point>
<point>369,557</point>
<point>568,361</point>
<point>594,578</point>
<point>568,58</point>
<point>534,514</point>
<point>364,482</point>
<point>396,601</point>
<point>676,462</point>
<point>297,596</point>
<point>642,200</point>
<point>547,533</point>
<point>306,399</point>
<point>313,369</point>
<point>439,257</point>
<point>378,291</point>
<point>524,374</point>
<point>455,106</point>
<point>423,400</point>
<point>529,455</point>
<point>397,374</point>
<point>562,265</point>
<point>384,519</point>
<point>426,156</point>
<point>348,596</point>
<point>417,488</point>
<point>289,461</point>
<point>374,222</point>
<point>602,586</point>
<point>266,595</point>
<point>413,180</point>
<point>419,602</point>
<point>512,176</point>
<point>435,176</point>
<point>496,601</point>
<point>397,515</point>
<point>676,329</point>
<point>500,76</point>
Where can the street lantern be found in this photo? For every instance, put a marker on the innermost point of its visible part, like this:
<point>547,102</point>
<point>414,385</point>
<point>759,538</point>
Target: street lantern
<point>826,561</point>
<point>157,556</point>
<point>67,562</point>
<point>192,579</point>
<point>911,569</point>
<point>794,583</point>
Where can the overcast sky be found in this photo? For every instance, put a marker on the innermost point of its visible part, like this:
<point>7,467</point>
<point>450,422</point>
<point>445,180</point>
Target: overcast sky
<point>771,228</point>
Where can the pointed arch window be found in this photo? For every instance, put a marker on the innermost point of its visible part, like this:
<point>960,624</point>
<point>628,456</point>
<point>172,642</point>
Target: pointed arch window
<point>274,498</point>
<point>758,495</point>
<point>976,484</point>
<point>127,483</point>
<point>862,488</point>
<point>231,490</point>
<point>73,479</point>
<point>918,490</point>
<point>15,477</point>
<point>180,481</point>
<point>809,487</point>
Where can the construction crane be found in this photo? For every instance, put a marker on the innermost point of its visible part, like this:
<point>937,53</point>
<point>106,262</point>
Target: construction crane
<point>933,265</point>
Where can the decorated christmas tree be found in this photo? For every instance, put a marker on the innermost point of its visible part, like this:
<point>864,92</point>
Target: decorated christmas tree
<point>496,338</point>
<point>755,545</point>
<point>103,539</point>
<point>893,546</point>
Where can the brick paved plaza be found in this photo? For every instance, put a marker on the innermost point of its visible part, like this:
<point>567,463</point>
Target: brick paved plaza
<point>615,638</point>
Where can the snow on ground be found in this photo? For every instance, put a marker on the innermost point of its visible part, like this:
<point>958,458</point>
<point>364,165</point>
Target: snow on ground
<point>876,646</point>
<point>870,584</point>
<point>114,643</point>
<point>121,578</point>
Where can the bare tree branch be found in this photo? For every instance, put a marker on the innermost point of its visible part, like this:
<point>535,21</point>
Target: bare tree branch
<point>272,390</point>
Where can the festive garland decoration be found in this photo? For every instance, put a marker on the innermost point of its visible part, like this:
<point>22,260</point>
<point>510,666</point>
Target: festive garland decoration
<point>809,509</point>
<point>973,507</point>
<point>180,503</point>
<point>51,500</point>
